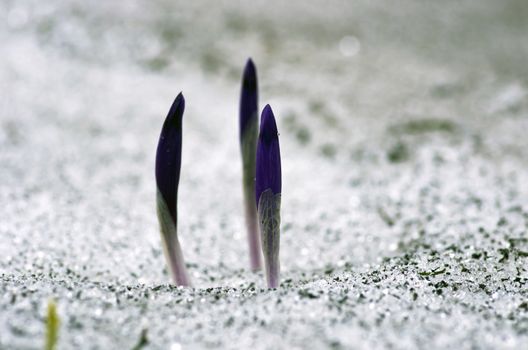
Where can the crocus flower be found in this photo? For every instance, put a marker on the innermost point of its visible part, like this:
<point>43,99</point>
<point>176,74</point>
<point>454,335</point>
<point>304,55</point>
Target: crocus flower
<point>248,118</point>
<point>168,163</point>
<point>268,194</point>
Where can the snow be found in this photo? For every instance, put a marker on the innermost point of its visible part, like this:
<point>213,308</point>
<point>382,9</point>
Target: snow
<point>404,204</point>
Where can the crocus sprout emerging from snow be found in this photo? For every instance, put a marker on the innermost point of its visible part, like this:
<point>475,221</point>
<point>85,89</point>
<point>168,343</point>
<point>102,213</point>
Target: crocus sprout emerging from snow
<point>268,194</point>
<point>168,163</point>
<point>248,118</point>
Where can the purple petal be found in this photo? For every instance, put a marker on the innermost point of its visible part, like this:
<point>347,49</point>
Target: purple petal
<point>268,168</point>
<point>248,97</point>
<point>168,155</point>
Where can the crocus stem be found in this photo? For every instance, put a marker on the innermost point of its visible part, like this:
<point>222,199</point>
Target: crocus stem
<point>273,273</point>
<point>249,146</point>
<point>171,244</point>
<point>176,264</point>
<point>252,231</point>
<point>269,215</point>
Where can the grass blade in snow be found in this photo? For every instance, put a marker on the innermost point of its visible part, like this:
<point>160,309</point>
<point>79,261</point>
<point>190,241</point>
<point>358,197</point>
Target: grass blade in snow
<point>52,326</point>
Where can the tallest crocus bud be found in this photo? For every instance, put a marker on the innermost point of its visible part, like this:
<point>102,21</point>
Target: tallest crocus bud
<point>248,144</point>
<point>268,194</point>
<point>168,163</point>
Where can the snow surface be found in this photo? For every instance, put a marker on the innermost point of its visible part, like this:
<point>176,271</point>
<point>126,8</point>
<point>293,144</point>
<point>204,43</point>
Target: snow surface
<point>404,151</point>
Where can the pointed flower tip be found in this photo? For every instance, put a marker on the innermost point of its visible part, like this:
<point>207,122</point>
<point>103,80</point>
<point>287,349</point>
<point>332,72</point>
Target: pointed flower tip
<point>177,108</point>
<point>248,97</point>
<point>168,155</point>
<point>250,66</point>
<point>249,79</point>
<point>267,111</point>
<point>268,126</point>
<point>268,162</point>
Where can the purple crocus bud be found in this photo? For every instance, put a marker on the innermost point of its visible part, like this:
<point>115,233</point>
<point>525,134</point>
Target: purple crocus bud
<point>248,119</point>
<point>168,163</point>
<point>268,194</point>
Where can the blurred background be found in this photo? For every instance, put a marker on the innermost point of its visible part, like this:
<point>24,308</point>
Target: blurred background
<point>399,121</point>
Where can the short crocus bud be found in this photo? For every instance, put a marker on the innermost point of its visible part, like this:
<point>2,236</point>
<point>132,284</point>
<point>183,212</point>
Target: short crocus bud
<point>268,194</point>
<point>248,118</point>
<point>168,163</point>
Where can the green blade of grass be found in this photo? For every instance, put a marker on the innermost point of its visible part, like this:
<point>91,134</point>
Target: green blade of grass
<point>52,326</point>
